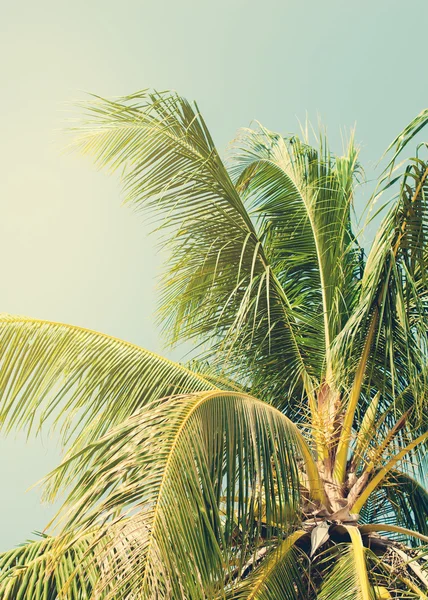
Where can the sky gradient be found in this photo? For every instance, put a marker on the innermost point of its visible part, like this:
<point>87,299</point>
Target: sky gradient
<point>69,251</point>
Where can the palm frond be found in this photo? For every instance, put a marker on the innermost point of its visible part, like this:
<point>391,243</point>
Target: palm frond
<point>204,480</point>
<point>219,286</point>
<point>409,499</point>
<point>401,501</point>
<point>406,136</point>
<point>301,199</point>
<point>383,346</point>
<point>81,379</point>
<point>348,579</point>
<point>282,574</point>
<point>31,572</point>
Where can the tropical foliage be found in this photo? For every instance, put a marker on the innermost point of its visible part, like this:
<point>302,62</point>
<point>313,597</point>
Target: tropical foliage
<point>288,461</point>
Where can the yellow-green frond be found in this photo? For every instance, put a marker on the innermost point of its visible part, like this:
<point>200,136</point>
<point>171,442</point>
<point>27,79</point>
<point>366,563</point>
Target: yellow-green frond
<point>211,476</point>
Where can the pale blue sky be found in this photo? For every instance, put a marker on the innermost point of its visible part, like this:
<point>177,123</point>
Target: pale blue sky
<point>69,251</point>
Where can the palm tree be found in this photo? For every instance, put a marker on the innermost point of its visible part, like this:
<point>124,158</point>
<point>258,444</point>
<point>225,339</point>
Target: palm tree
<point>288,460</point>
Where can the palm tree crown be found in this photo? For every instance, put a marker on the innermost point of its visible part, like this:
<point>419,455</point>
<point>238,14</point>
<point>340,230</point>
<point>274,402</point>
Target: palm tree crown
<point>288,460</point>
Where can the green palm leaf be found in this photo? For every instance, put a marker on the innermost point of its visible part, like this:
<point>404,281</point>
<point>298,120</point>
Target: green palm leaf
<point>301,198</point>
<point>220,286</point>
<point>384,342</point>
<point>348,579</point>
<point>205,479</point>
<point>87,381</point>
<point>31,572</point>
<point>281,575</point>
<point>401,501</point>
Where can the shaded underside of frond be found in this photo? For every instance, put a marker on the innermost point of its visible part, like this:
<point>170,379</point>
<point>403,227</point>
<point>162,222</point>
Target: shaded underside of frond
<point>284,573</point>
<point>347,579</point>
<point>401,500</point>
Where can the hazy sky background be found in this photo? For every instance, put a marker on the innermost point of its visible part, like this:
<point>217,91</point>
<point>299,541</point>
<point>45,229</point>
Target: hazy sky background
<point>69,251</point>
